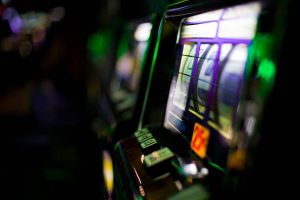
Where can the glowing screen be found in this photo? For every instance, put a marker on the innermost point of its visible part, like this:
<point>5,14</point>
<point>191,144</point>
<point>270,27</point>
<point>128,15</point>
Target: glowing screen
<point>209,77</point>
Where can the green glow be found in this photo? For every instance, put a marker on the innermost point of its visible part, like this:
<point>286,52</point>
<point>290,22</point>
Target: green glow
<point>261,55</point>
<point>266,74</point>
<point>216,166</point>
<point>266,70</point>
<point>260,49</point>
<point>263,46</point>
<point>140,198</point>
<point>98,43</point>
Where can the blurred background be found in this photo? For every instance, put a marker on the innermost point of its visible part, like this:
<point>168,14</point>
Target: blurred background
<point>56,59</point>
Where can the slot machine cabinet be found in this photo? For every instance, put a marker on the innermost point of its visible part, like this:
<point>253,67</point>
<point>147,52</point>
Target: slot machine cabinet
<point>223,62</point>
<point>135,84</point>
<point>127,86</point>
<point>121,92</point>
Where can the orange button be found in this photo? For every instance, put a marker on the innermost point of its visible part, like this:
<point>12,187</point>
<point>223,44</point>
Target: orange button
<point>200,140</point>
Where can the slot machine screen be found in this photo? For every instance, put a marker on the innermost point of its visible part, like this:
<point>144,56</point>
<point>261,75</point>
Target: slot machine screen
<point>209,76</point>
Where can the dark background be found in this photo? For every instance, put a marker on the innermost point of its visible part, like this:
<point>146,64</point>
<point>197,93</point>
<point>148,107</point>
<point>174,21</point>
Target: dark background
<point>48,147</point>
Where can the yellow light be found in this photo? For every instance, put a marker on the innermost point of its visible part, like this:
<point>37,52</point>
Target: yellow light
<point>108,171</point>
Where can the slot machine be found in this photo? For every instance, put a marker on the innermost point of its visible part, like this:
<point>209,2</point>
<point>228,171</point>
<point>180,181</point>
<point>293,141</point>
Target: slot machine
<point>223,61</point>
<point>127,85</point>
<point>130,79</point>
<point>131,52</point>
<point>122,71</point>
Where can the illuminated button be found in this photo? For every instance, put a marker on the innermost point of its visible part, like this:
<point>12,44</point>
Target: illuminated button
<point>148,143</point>
<point>158,157</point>
<point>155,155</point>
<point>141,132</point>
<point>149,146</point>
<point>145,137</point>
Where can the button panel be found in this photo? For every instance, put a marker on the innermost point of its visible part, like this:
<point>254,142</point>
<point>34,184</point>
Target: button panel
<point>157,157</point>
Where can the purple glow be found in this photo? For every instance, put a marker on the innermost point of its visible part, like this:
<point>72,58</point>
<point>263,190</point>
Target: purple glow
<point>15,22</point>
